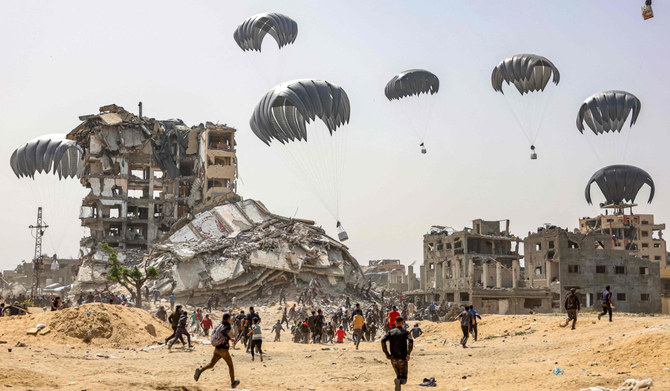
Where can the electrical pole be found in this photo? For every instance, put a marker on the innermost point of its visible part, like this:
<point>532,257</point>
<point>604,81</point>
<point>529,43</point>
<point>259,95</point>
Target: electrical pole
<point>38,263</point>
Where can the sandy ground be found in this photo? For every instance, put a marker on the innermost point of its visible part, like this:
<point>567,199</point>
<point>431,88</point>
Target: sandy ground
<point>513,353</point>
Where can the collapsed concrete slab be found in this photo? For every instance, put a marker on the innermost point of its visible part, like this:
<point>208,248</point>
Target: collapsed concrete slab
<point>239,249</point>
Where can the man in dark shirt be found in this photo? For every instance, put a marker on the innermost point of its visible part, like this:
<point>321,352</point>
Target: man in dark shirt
<point>221,352</point>
<point>173,319</point>
<point>248,321</point>
<point>475,315</point>
<point>416,331</point>
<point>161,314</point>
<point>466,320</point>
<point>607,303</point>
<point>572,306</point>
<point>401,345</point>
<point>319,321</point>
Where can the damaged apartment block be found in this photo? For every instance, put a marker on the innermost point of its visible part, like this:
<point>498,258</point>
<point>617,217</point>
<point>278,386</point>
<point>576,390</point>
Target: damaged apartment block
<point>478,266</point>
<point>146,174</point>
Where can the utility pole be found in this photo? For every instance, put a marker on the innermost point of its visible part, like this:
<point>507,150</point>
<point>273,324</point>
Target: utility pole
<point>38,262</point>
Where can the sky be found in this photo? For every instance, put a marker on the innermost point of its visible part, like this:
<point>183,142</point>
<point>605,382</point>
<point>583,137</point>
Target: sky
<point>64,59</point>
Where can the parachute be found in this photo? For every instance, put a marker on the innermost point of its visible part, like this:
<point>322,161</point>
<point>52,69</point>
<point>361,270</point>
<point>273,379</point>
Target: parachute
<point>530,74</point>
<point>410,85</point>
<point>620,183</point>
<point>250,33</point>
<point>47,153</point>
<point>605,113</point>
<point>286,120</point>
<point>249,36</point>
<point>60,199</point>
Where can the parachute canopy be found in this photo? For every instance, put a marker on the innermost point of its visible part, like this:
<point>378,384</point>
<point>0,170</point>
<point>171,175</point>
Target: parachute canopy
<point>52,152</point>
<point>528,72</point>
<point>284,111</point>
<point>620,183</point>
<point>412,82</point>
<point>607,111</point>
<point>250,33</point>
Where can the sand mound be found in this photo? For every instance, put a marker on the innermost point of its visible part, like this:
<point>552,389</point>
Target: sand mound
<point>97,324</point>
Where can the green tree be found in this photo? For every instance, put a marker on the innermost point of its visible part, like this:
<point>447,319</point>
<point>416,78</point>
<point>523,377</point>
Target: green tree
<point>131,279</point>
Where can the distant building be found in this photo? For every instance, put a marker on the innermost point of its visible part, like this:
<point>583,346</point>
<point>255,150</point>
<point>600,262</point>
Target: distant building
<point>390,274</point>
<point>478,266</point>
<point>635,233</point>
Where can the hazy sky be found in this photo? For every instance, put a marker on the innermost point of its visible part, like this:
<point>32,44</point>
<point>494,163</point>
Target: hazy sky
<point>67,58</point>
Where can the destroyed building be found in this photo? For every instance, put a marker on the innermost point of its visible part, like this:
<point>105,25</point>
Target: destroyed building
<point>390,274</point>
<point>638,234</point>
<point>238,249</point>
<point>478,266</point>
<point>146,174</point>
<point>54,270</point>
<point>560,260</point>
<point>164,194</point>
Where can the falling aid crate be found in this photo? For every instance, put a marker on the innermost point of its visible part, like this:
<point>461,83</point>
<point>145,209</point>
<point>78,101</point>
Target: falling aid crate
<point>647,12</point>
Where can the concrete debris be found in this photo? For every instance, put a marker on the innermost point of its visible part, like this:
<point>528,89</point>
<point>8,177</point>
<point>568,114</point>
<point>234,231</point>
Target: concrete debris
<point>239,249</point>
<point>628,385</point>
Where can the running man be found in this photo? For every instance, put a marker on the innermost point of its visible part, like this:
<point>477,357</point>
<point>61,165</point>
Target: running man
<point>572,307</point>
<point>466,320</point>
<point>181,330</point>
<point>277,328</point>
<point>221,352</point>
<point>256,338</point>
<point>401,344</point>
<point>607,303</point>
<point>357,324</point>
<point>475,315</point>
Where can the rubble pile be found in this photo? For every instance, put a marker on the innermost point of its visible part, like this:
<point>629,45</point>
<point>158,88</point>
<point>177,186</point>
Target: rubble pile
<point>628,385</point>
<point>238,249</point>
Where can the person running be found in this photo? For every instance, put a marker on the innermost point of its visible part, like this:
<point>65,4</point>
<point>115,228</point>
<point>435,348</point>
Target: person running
<point>391,317</point>
<point>340,334</point>
<point>319,321</point>
<point>181,330</point>
<point>475,315</point>
<point>221,351</point>
<point>172,300</point>
<point>173,319</point>
<point>157,294</point>
<point>277,328</point>
<point>572,307</point>
<point>284,317</point>
<point>466,320</point>
<point>416,331</point>
<point>401,345</point>
<point>607,303</point>
<point>357,324</point>
<point>256,338</point>
<point>206,324</point>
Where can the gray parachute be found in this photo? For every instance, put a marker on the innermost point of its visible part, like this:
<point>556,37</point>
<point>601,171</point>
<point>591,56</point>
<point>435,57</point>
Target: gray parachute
<point>250,33</point>
<point>528,72</point>
<point>620,183</point>
<point>284,111</point>
<point>607,111</point>
<point>50,153</point>
<point>412,82</point>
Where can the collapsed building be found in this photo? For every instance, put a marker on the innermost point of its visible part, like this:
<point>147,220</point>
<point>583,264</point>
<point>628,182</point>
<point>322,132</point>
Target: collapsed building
<point>478,266</point>
<point>164,194</point>
<point>55,275</point>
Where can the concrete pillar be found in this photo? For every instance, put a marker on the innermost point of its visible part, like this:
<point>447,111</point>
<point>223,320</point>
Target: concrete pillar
<point>498,275</point>
<point>439,277</point>
<point>410,278</point>
<point>547,271</point>
<point>471,271</point>
<point>515,273</point>
<point>485,274</point>
<point>422,276</point>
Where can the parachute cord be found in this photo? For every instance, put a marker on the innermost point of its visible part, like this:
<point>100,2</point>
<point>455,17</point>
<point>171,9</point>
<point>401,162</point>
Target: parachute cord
<point>518,121</point>
<point>542,114</point>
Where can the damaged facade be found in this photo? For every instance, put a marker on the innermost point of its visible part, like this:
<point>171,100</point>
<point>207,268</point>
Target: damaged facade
<point>560,260</point>
<point>54,270</point>
<point>478,266</point>
<point>390,274</point>
<point>146,174</point>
